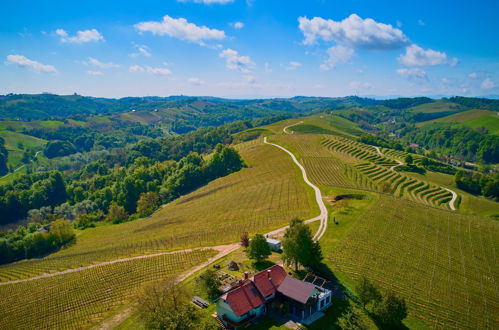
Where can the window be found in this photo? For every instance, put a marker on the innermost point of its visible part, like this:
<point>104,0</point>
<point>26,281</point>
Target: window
<point>328,299</point>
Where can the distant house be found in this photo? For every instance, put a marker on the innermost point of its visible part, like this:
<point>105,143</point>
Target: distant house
<point>253,297</point>
<point>275,245</point>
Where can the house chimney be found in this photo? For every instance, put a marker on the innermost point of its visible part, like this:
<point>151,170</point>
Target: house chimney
<point>246,275</point>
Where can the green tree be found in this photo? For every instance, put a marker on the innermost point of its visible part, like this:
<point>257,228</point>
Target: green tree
<point>117,214</point>
<point>391,310</point>
<point>61,231</point>
<point>167,306</point>
<point>148,203</point>
<point>367,292</point>
<point>299,247</point>
<point>211,283</point>
<point>258,248</point>
<point>409,160</point>
<point>351,320</point>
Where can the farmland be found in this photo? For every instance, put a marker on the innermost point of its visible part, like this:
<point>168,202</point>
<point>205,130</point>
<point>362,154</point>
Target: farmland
<point>84,299</point>
<point>471,118</point>
<point>260,198</point>
<point>443,263</point>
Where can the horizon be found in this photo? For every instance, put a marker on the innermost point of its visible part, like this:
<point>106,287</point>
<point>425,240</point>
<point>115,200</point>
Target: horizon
<point>250,49</point>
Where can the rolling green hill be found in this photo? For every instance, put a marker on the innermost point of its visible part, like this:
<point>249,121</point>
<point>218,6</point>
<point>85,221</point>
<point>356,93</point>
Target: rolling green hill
<point>471,118</point>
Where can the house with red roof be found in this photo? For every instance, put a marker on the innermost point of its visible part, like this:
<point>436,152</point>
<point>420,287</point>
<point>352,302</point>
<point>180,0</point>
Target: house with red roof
<point>252,297</point>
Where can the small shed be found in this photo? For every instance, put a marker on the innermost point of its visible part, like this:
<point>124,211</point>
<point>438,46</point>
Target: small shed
<point>275,245</point>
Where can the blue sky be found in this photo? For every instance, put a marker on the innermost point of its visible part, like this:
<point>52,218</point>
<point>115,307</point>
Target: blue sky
<point>250,48</point>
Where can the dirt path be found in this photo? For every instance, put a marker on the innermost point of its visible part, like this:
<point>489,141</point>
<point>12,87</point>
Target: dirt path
<point>399,164</point>
<point>379,151</point>
<point>221,248</point>
<point>454,197</point>
<point>285,129</point>
<point>318,197</point>
<point>119,318</point>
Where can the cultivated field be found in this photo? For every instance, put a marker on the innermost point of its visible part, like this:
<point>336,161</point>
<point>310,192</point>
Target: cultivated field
<point>262,197</point>
<point>84,299</point>
<point>442,262</point>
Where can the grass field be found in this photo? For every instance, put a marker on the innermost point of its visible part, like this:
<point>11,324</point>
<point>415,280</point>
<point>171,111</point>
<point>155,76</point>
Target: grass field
<point>437,106</point>
<point>84,299</point>
<point>12,141</point>
<point>262,197</point>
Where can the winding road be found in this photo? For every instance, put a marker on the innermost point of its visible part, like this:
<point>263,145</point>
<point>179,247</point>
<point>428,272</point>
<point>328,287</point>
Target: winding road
<point>318,197</point>
<point>285,129</point>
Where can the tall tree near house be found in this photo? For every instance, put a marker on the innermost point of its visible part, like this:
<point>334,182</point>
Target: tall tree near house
<point>299,247</point>
<point>367,292</point>
<point>258,248</point>
<point>245,241</point>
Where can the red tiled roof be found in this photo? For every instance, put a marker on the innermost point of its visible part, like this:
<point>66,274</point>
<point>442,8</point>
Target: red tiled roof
<point>296,289</point>
<point>244,298</point>
<point>266,286</point>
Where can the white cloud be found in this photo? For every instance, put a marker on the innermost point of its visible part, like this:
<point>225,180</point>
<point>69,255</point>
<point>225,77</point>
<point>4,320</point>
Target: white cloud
<point>237,25</point>
<point>417,56</point>
<point>141,50</point>
<point>236,62</point>
<point>195,81</point>
<point>337,55</point>
<point>412,73</point>
<point>149,69</point>
<point>180,28</point>
<point>354,32</point>
<point>267,67</point>
<point>81,36</point>
<point>208,2</point>
<point>95,73</point>
<point>24,62</point>
<point>399,23</point>
<point>421,22</point>
<point>94,62</point>
<point>293,65</point>
<point>473,75</point>
<point>487,84</point>
<point>357,85</point>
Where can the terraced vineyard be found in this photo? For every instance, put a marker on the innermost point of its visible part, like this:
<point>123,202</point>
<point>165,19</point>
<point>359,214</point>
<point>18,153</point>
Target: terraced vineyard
<point>373,172</point>
<point>442,262</point>
<point>262,197</point>
<point>84,299</point>
<point>357,150</point>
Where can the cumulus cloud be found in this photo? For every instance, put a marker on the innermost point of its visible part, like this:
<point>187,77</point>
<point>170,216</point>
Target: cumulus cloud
<point>208,2</point>
<point>24,62</point>
<point>180,28</point>
<point>337,55</point>
<point>353,31</point>
<point>473,75</point>
<point>237,25</point>
<point>94,62</point>
<point>412,73</point>
<point>81,36</point>
<point>236,62</point>
<point>95,73</point>
<point>195,81</point>
<point>149,69</point>
<point>487,84</point>
<point>293,65</point>
<point>142,50</point>
<point>417,56</point>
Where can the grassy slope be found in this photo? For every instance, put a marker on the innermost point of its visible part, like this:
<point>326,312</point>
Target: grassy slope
<point>437,106</point>
<point>262,197</point>
<point>12,139</point>
<point>471,118</point>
